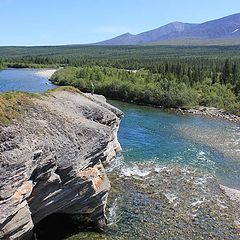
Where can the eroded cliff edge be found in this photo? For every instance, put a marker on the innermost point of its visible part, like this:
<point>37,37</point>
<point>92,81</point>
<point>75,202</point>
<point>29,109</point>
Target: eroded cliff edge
<point>52,161</point>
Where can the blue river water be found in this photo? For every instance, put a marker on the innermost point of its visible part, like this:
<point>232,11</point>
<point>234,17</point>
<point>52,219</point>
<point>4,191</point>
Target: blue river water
<point>152,135</point>
<point>23,80</point>
<point>165,183</point>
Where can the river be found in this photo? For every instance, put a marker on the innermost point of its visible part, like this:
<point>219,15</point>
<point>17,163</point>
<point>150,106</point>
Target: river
<point>152,135</point>
<point>165,183</point>
<point>29,80</point>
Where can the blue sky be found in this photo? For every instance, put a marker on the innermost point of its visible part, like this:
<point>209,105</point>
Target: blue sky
<point>49,22</point>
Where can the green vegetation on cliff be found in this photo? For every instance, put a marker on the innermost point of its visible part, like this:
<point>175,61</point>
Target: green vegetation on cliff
<point>12,104</point>
<point>1,65</point>
<point>63,88</point>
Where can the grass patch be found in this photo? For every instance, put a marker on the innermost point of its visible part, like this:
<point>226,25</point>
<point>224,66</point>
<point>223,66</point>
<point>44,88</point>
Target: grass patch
<point>63,88</point>
<point>11,105</point>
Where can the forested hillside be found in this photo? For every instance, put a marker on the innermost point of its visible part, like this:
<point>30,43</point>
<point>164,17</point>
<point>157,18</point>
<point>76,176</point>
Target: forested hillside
<point>166,84</point>
<point>168,76</point>
<point>125,55</point>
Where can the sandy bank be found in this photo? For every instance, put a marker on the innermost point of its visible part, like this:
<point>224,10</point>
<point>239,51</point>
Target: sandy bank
<point>45,72</point>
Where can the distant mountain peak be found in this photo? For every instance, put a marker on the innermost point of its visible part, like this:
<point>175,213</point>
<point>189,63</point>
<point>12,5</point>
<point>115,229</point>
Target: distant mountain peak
<point>223,28</point>
<point>179,26</point>
<point>176,23</point>
<point>126,34</point>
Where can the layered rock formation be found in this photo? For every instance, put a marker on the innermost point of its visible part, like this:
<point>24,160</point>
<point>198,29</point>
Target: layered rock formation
<point>52,161</point>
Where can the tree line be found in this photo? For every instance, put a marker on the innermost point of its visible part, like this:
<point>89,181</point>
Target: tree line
<point>169,76</point>
<point>174,87</point>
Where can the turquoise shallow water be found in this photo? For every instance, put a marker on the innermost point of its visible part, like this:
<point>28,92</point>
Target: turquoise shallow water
<point>152,135</point>
<point>23,80</point>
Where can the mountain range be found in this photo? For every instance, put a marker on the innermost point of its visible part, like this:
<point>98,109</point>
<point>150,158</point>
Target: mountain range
<point>219,30</point>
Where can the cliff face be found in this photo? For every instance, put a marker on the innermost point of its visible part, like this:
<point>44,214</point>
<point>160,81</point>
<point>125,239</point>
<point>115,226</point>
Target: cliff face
<point>52,161</point>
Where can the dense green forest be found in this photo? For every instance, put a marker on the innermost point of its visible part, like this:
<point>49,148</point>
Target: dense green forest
<point>172,86</point>
<point>168,76</point>
<point>127,57</point>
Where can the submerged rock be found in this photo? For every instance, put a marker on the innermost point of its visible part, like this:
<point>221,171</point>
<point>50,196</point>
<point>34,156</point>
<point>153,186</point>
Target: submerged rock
<point>52,161</point>
<point>171,202</point>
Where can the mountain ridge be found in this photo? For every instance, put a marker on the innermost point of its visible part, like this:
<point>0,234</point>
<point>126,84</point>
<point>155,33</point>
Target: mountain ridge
<point>223,28</point>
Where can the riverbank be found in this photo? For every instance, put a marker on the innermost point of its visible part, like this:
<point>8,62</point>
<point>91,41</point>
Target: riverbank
<point>45,73</point>
<point>211,112</point>
<point>148,88</point>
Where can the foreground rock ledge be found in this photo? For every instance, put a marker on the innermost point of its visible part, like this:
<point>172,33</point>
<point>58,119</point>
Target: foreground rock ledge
<point>52,161</point>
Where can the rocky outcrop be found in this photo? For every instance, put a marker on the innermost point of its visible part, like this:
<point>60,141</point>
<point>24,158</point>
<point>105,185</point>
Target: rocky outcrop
<point>211,112</point>
<point>52,161</point>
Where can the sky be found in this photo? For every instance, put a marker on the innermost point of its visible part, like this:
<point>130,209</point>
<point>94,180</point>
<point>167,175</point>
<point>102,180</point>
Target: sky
<point>56,22</point>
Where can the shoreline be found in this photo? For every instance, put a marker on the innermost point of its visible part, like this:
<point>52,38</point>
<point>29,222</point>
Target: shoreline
<point>45,72</point>
<point>207,112</point>
<point>210,112</point>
